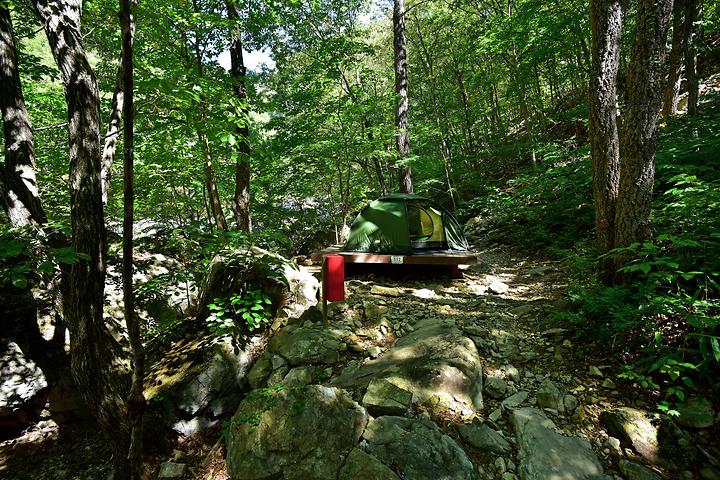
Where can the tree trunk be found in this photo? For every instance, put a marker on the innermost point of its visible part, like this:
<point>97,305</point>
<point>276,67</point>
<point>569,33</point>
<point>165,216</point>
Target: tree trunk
<point>606,23</point>
<point>98,368</point>
<point>401,90</point>
<point>639,136</point>
<point>242,167</point>
<point>690,53</point>
<point>18,187</point>
<point>136,399</point>
<point>675,63</point>
<point>210,182</point>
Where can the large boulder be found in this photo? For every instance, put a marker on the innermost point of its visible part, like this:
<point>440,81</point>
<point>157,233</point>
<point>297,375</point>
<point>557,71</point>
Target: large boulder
<point>436,363</point>
<point>655,437</point>
<point>307,345</point>
<point>417,449</point>
<point>20,383</point>
<point>302,433</point>
<point>544,453</point>
<point>199,379</point>
<point>362,466</point>
<point>292,288</point>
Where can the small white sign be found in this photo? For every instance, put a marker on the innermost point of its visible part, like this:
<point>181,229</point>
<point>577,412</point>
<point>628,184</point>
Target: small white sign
<point>396,259</point>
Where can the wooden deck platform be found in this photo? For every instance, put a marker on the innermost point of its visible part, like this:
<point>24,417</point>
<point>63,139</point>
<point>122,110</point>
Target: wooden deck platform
<point>435,258</point>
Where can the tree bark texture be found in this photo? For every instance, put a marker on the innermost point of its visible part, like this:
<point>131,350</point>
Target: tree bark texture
<point>638,140</point>
<point>112,133</point>
<point>676,59</point>
<point>242,167</point>
<point>401,90</point>
<point>136,399</point>
<point>606,26</point>
<point>691,13</point>
<point>18,186</point>
<point>97,364</point>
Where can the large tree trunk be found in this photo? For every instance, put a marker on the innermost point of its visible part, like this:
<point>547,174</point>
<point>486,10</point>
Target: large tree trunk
<point>136,399</point>
<point>401,90</point>
<point>98,367</point>
<point>18,187</point>
<point>639,136</point>
<point>606,23</point>
<point>242,167</point>
<point>676,60</point>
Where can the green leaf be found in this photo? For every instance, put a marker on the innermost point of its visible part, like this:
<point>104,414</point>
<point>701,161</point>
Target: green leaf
<point>19,280</point>
<point>715,344</point>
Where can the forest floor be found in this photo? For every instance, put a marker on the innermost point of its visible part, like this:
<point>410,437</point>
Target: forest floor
<point>504,304</point>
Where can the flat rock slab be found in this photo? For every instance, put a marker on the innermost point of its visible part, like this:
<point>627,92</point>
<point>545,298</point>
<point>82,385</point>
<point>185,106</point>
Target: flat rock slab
<point>417,449</point>
<point>436,363</point>
<point>384,398</point>
<point>547,455</point>
<point>362,466</point>
<point>484,438</point>
<point>171,470</point>
<point>301,433</point>
<point>307,345</point>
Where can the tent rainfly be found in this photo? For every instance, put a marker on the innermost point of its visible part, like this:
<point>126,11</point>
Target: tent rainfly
<point>405,224</point>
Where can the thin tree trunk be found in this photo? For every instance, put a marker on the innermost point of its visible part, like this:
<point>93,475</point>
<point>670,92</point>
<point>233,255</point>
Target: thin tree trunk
<point>18,186</point>
<point>210,182</point>
<point>692,7</point>
<point>675,62</point>
<point>639,136</point>
<point>112,134</point>
<point>401,90</point>
<point>136,399</point>
<point>242,167</point>
<point>606,26</point>
<point>96,357</point>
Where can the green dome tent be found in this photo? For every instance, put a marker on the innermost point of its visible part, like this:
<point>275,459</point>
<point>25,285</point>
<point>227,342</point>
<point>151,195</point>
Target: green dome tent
<point>404,224</point>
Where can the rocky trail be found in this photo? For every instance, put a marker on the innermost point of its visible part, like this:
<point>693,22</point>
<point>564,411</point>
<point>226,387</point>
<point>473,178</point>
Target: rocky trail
<point>414,378</point>
<point>448,379</point>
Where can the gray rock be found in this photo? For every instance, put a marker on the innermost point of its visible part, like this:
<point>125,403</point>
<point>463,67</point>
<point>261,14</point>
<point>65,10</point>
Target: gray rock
<point>20,381</point>
<point>417,449</point>
<point>172,470</point>
<point>549,396</point>
<point>436,361</point>
<point>498,287</point>
<point>277,376</point>
<point>546,454</point>
<point>496,414</point>
<point>229,272</point>
<point>258,374</point>
<point>484,438</point>
<point>384,398</point>
<point>299,376</point>
<point>515,400</point>
<point>656,438</point>
<point>522,310</point>
<point>511,372</point>
<point>361,466</point>
<point>374,351</point>
<point>386,291</point>
<point>298,433</point>
<point>495,387</point>
<point>303,346</point>
<point>697,413</point>
<point>635,471</point>
<point>595,371</point>
<point>570,403</point>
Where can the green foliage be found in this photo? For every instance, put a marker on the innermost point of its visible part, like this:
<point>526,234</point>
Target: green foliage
<point>238,313</point>
<point>545,209</point>
<point>25,255</point>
